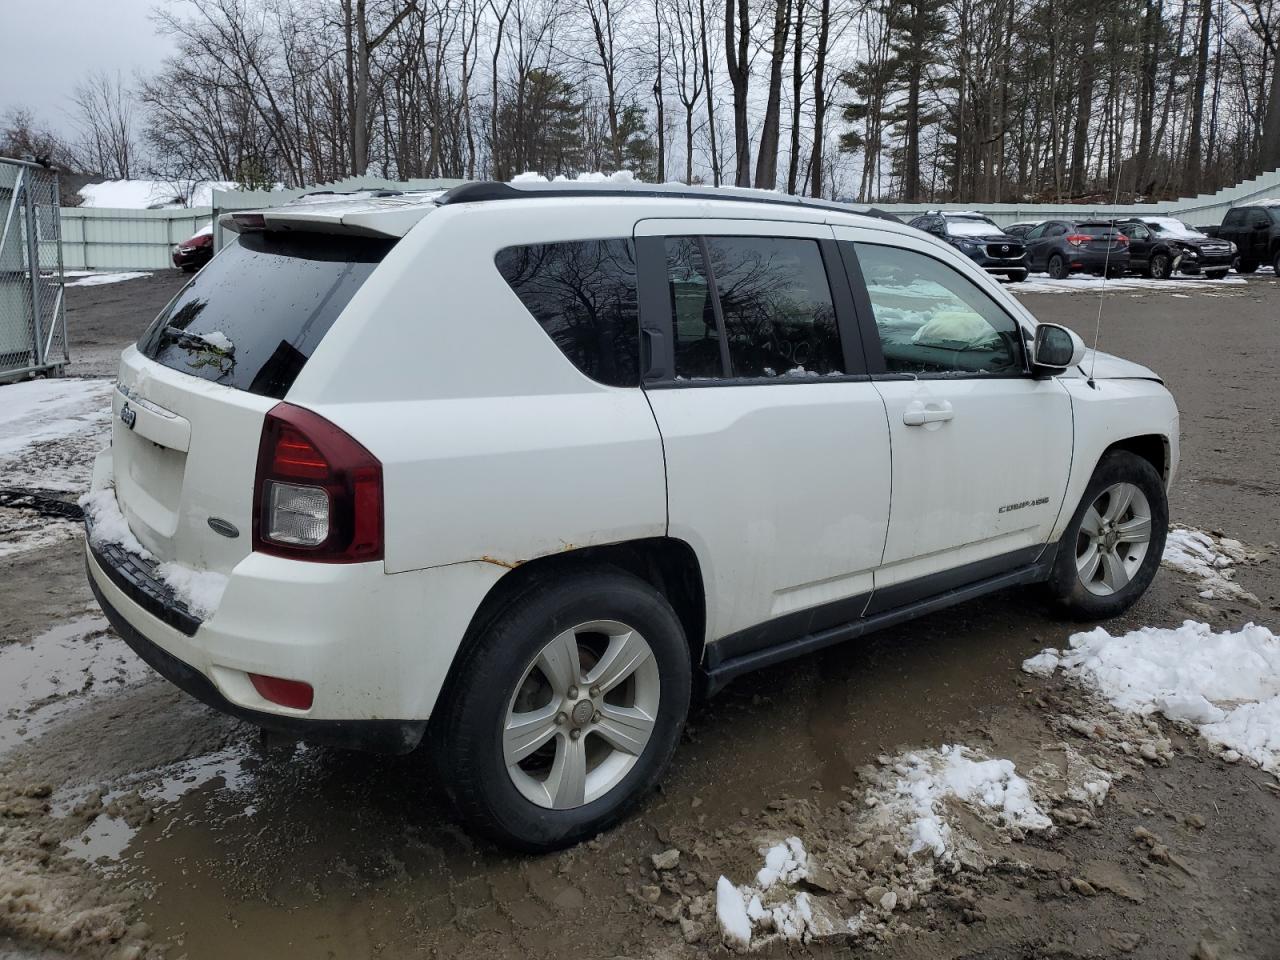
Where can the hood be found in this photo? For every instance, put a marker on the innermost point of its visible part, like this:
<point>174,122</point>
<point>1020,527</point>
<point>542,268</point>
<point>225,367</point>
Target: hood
<point>1110,367</point>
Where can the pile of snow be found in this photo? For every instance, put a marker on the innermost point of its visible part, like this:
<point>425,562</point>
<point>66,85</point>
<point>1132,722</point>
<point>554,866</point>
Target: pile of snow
<point>912,804</point>
<point>200,590</point>
<point>152,194</point>
<point>97,279</point>
<point>1226,685</point>
<point>927,781</point>
<point>621,176</point>
<point>767,907</point>
<point>1211,559</point>
<point>1088,283</point>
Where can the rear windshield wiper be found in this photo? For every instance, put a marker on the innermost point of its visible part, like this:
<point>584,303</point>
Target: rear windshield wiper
<point>216,341</point>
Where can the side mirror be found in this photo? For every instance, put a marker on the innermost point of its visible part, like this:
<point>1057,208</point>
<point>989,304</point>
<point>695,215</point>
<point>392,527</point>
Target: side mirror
<point>1055,348</point>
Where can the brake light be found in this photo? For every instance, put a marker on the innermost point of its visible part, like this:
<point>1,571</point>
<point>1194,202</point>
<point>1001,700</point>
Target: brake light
<point>1078,239</point>
<point>318,493</point>
<point>1121,239</point>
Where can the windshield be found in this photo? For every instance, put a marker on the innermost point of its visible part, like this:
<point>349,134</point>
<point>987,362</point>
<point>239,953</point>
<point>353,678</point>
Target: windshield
<point>253,316</point>
<point>1169,227</point>
<point>973,228</point>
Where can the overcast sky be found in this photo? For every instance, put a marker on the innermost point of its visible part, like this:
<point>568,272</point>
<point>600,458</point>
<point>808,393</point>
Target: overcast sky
<point>46,46</point>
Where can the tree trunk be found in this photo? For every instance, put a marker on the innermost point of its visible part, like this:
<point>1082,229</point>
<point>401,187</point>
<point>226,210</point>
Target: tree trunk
<point>819,100</point>
<point>1191,176</point>
<point>737,38</point>
<point>797,95</point>
<point>706,84</point>
<point>770,132</point>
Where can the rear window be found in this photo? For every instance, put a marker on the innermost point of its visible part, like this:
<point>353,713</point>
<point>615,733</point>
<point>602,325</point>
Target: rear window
<point>1096,229</point>
<point>254,315</point>
<point>583,294</point>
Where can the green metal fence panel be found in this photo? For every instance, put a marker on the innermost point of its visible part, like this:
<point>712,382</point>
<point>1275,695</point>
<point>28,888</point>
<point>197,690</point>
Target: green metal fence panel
<point>105,238</point>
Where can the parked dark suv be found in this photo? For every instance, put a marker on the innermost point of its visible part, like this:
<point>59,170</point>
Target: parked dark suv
<point>1161,246</point>
<point>1064,247</point>
<point>978,238</point>
<point>1255,230</point>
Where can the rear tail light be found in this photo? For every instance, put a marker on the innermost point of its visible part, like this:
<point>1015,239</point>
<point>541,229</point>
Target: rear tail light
<point>286,693</point>
<point>318,493</point>
<point>1121,239</point>
<point>1078,239</point>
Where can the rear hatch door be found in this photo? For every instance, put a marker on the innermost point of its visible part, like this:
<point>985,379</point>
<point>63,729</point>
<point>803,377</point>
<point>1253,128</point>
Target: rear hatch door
<point>193,393</point>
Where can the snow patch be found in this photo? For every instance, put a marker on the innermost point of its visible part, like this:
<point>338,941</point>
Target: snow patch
<point>1212,559</point>
<point>1087,283</point>
<point>731,911</point>
<point>200,590</point>
<point>152,194</point>
<point>1226,685</point>
<point>99,279</point>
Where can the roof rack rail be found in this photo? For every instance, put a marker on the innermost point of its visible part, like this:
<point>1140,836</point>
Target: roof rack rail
<point>488,190</point>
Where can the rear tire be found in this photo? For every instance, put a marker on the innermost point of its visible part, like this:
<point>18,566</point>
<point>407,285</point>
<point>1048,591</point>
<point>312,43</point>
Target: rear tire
<point>574,632</point>
<point>1058,269</point>
<point>1103,565</point>
<point>1275,264</point>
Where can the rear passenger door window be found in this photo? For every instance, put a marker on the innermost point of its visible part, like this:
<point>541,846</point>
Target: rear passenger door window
<point>751,308</point>
<point>583,294</point>
<point>930,319</point>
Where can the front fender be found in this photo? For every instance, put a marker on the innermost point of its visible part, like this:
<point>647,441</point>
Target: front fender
<point>1107,413</point>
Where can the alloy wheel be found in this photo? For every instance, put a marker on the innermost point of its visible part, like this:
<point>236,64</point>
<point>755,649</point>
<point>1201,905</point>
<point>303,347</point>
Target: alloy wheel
<point>1115,534</point>
<point>581,715</point>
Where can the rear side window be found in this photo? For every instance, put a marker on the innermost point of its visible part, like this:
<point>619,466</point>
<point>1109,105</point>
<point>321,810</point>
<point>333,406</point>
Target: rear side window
<point>1235,218</point>
<point>254,315</point>
<point>583,294</point>
<point>761,308</point>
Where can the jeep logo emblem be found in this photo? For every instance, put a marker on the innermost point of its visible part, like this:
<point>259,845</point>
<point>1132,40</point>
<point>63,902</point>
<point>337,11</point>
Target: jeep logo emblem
<point>128,416</point>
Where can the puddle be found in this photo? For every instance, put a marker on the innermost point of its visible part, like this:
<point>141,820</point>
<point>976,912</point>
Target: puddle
<point>44,678</point>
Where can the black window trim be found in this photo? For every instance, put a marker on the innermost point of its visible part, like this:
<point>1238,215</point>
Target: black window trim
<point>657,326</point>
<point>871,337</point>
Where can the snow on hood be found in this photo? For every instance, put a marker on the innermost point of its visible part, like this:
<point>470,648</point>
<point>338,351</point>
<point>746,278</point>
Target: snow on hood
<point>1110,367</point>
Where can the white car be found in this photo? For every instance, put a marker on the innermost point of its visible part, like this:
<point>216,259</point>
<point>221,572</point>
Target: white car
<point>522,465</point>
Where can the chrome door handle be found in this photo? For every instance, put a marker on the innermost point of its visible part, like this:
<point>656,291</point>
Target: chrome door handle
<point>917,414</point>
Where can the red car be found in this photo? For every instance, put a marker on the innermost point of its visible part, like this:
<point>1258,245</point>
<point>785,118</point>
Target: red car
<point>194,252</point>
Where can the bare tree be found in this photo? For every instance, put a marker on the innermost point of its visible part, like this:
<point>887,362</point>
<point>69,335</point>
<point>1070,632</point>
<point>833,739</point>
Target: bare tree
<point>103,114</point>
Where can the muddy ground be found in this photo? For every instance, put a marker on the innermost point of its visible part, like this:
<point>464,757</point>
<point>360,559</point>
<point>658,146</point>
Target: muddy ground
<point>209,846</point>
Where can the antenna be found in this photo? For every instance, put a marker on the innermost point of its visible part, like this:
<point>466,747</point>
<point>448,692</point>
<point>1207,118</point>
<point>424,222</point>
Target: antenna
<point>1106,270</point>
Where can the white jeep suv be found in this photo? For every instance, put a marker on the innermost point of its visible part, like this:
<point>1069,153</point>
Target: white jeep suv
<point>518,468</point>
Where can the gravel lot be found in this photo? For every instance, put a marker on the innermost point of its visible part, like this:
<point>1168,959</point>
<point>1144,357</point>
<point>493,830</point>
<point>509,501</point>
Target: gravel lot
<point>135,822</point>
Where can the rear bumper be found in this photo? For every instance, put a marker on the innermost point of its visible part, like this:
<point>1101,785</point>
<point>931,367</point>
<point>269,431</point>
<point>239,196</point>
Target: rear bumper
<point>1095,262</point>
<point>377,736</point>
<point>375,647</point>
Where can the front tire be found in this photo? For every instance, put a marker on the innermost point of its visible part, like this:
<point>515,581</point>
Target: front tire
<point>1246,266</point>
<point>1161,266</point>
<point>566,711</point>
<point>1110,551</point>
<point>1215,274</point>
<point>1275,264</point>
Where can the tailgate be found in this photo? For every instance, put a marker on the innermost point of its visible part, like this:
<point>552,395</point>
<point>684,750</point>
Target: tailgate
<point>184,452</point>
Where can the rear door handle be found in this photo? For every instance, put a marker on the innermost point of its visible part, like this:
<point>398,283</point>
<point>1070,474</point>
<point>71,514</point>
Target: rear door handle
<point>918,414</point>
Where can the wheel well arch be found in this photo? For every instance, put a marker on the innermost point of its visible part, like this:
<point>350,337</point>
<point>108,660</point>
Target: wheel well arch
<point>667,564</point>
<point>1152,447</point>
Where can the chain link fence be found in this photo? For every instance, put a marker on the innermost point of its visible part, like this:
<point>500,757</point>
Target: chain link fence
<point>33,322</point>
